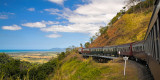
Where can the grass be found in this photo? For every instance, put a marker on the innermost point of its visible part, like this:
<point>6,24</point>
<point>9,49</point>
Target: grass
<point>77,68</point>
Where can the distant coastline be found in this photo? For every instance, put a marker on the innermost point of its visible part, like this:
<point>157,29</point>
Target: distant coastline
<point>31,50</point>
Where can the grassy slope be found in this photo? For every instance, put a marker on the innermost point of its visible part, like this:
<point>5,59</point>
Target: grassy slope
<point>129,28</point>
<point>74,67</point>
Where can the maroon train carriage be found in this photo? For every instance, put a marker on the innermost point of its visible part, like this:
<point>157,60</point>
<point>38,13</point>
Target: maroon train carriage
<point>125,50</point>
<point>138,51</point>
<point>85,51</point>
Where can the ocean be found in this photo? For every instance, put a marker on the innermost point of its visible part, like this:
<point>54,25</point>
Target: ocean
<point>19,51</point>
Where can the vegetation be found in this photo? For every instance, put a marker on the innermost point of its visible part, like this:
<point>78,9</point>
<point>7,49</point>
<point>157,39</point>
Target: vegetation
<point>68,65</point>
<point>86,44</point>
<point>127,26</point>
<point>141,6</point>
<point>34,57</point>
<point>75,67</point>
<point>12,69</point>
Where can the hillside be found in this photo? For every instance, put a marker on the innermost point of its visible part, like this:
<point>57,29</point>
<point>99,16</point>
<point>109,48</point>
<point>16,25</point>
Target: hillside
<point>129,28</point>
<point>14,69</point>
<point>75,67</point>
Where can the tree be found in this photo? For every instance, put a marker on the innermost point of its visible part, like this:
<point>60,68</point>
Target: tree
<point>87,44</point>
<point>97,34</point>
<point>103,30</point>
<point>91,39</point>
<point>81,45</point>
<point>131,3</point>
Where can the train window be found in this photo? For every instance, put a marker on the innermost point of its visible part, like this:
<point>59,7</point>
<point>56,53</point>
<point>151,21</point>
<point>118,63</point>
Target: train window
<point>134,48</point>
<point>141,48</point>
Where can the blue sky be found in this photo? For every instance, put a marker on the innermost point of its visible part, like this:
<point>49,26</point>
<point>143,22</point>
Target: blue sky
<point>45,24</point>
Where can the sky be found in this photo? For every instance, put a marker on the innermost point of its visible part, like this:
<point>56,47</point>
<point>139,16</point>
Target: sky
<point>46,24</point>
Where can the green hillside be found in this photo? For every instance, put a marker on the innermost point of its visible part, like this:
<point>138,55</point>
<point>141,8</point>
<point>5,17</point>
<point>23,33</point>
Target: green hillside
<point>126,27</point>
<point>14,69</point>
<point>75,67</point>
<point>67,66</point>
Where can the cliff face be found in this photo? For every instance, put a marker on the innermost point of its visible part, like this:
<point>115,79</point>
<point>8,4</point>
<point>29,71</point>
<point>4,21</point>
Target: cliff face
<point>129,28</point>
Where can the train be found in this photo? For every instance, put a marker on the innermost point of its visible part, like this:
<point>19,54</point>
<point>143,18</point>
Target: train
<point>135,49</point>
<point>147,50</point>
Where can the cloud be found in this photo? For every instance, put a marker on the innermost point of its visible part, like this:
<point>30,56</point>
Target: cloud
<point>36,25</point>
<point>49,22</point>
<point>74,28</point>
<point>41,24</point>
<point>3,16</point>
<point>53,36</point>
<point>86,18</point>
<point>31,9</point>
<point>57,1</point>
<point>52,11</point>
<point>13,27</point>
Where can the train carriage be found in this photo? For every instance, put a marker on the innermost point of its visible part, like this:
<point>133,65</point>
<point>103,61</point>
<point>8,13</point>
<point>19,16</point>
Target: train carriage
<point>85,51</point>
<point>97,51</point>
<point>110,51</point>
<point>138,50</point>
<point>152,42</point>
<point>125,49</point>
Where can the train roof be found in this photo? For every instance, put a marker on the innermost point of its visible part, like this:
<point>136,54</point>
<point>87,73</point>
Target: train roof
<point>109,46</point>
<point>93,48</point>
<point>138,42</point>
<point>96,47</point>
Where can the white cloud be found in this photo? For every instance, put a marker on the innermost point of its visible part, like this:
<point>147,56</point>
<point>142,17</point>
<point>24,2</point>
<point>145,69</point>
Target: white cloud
<point>57,1</point>
<point>3,16</point>
<point>53,36</point>
<point>52,11</point>
<point>31,9</point>
<point>13,27</point>
<point>36,25</point>
<point>76,28</point>
<point>49,22</point>
<point>41,24</point>
<point>86,18</point>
